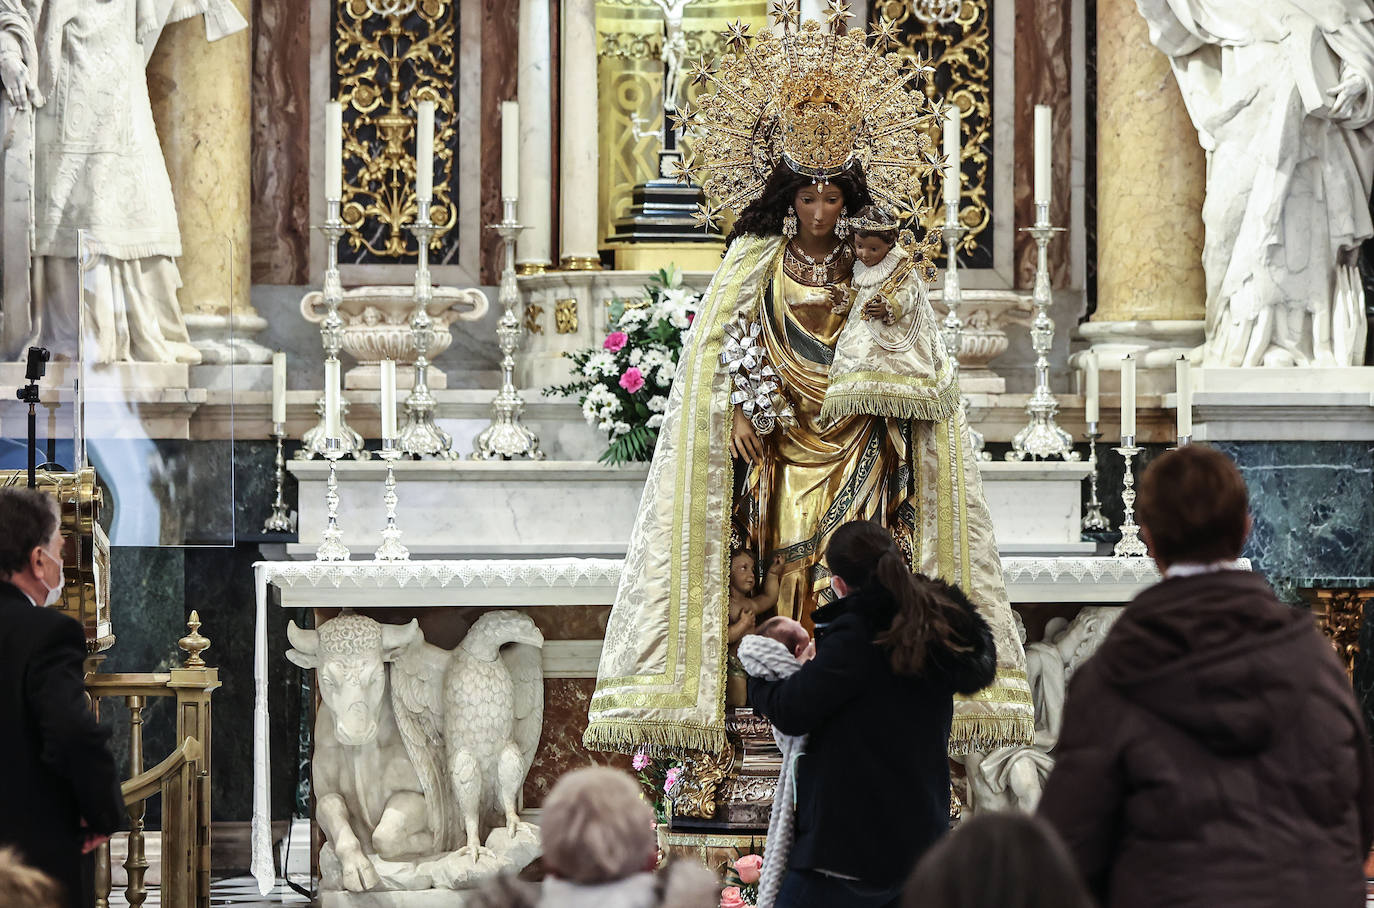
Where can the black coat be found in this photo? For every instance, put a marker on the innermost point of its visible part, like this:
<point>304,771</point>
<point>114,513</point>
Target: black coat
<point>1212,754</point>
<point>55,765</point>
<point>873,785</point>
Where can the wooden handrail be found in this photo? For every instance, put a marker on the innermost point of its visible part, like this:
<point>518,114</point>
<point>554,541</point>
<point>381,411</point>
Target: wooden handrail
<point>149,782</point>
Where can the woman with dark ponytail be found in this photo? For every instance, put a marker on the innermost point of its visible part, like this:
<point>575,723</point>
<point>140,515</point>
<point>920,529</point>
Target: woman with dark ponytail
<point>876,703</point>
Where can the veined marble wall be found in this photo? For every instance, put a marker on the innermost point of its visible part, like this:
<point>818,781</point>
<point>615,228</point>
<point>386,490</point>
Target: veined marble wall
<point>281,142</point>
<point>1044,75</point>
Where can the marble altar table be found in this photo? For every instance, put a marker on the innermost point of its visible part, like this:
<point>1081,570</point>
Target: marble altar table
<point>562,583</point>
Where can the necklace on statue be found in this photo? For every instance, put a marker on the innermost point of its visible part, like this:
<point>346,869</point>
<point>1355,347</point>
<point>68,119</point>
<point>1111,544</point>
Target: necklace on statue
<point>821,271</point>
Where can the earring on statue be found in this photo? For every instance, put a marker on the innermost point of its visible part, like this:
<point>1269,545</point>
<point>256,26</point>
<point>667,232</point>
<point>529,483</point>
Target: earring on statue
<point>789,223</point>
<point>842,225</point>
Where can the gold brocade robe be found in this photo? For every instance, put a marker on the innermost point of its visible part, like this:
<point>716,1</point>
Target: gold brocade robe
<point>661,680</point>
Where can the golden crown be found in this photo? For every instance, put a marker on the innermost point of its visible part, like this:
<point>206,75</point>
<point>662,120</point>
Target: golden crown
<point>817,98</point>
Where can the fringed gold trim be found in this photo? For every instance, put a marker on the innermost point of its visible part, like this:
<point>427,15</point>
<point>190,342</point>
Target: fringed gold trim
<point>657,736</point>
<point>981,734</point>
<point>892,405</point>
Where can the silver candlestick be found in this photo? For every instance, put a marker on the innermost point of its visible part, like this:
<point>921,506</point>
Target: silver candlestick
<point>1042,438</point>
<point>420,437</point>
<point>1130,544</point>
<point>1094,521</point>
<point>952,329</point>
<point>332,547</point>
<point>1184,440</point>
<point>331,336</point>
<point>391,548</point>
<point>506,437</point>
<point>280,520</point>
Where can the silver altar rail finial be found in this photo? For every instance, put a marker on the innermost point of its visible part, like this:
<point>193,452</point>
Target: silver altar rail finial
<point>420,437</point>
<point>506,437</point>
<point>1042,437</point>
<point>331,337</point>
<point>952,329</point>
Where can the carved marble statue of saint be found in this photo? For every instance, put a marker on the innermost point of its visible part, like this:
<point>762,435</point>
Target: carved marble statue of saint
<point>1282,95</point>
<point>98,168</point>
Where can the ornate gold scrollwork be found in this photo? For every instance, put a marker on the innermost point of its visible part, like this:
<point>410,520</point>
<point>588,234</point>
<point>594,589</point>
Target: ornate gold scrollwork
<point>533,313</point>
<point>702,776</point>
<point>384,66</point>
<point>961,53</point>
<point>565,316</point>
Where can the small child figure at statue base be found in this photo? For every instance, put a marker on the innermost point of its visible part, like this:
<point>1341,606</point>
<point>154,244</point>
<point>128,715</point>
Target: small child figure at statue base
<point>745,607</point>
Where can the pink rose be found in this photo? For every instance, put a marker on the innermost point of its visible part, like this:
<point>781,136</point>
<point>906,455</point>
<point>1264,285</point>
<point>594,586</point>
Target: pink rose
<point>640,761</point>
<point>730,897</point>
<point>616,341</point>
<point>670,780</point>
<point>632,380</point>
<point>748,868</point>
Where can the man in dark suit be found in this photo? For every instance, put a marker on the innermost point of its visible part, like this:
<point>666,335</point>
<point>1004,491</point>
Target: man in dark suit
<point>61,786</point>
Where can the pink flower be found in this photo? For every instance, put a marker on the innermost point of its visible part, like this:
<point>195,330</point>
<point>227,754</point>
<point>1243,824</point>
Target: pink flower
<point>670,780</point>
<point>632,380</point>
<point>616,341</point>
<point>748,868</point>
<point>730,897</point>
<point>640,761</point>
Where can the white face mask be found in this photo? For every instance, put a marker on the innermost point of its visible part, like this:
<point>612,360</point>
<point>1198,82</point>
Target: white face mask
<point>54,593</point>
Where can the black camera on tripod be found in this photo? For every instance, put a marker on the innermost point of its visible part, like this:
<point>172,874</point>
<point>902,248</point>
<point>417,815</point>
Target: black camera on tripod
<point>36,367</point>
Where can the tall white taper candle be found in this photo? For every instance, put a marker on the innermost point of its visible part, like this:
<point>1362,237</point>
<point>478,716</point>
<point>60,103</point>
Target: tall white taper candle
<point>1091,394</point>
<point>1128,396</point>
<point>389,399</point>
<point>510,150</point>
<point>333,151</point>
<point>278,387</point>
<point>1042,153</point>
<point>953,147</point>
<point>331,398</point>
<point>424,151</point>
<point>1184,379</point>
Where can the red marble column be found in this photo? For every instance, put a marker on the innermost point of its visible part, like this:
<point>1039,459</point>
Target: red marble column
<point>1043,67</point>
<point>500,55</point>
<point>281,143</point>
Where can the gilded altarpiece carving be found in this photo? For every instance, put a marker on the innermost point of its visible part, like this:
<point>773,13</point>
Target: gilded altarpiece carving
<point>383,66</point>
<point>961,52</point>
<point>630,73</point>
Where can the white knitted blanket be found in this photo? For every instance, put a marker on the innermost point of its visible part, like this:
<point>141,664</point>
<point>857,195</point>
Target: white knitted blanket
<point>766,658</point>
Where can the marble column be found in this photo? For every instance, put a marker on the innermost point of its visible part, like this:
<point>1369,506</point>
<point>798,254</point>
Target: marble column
<point>1151,180</point>
<point>535,94</point>
<point>577,152</point>
<point>200,91</point>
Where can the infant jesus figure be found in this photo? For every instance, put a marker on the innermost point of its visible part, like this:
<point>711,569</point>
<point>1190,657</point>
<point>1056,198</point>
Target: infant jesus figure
<point>746,604</point>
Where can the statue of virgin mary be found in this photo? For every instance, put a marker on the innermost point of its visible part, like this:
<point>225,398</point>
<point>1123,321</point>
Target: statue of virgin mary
<point>805,126</point>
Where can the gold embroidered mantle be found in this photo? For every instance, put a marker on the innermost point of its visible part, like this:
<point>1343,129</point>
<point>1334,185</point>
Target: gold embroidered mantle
<point>661,680</point>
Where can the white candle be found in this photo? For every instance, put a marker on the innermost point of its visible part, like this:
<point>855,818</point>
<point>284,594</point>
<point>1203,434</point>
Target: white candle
<point>510,149</point>
<point>1184,382</point>
<point>1042,153</point>
<point>424,151</point>
<point>333,151</point>
<point>388,399</point>
<point>278,388</point>
<point>331,399</point>
<point>953,151</point>
<point>1127,396</point>
<point>1090,387</point>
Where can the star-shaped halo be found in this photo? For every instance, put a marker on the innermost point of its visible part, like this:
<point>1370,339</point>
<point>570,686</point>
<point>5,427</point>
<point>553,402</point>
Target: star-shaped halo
<point>885,32</point>
<point>700,73</point>
<point>704,217</point>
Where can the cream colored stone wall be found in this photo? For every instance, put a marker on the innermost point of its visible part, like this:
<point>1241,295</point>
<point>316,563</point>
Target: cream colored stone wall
<point>1151,179</point>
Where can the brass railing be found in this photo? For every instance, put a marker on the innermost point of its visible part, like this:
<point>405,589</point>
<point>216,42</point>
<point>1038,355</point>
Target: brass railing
<point>182,779</point>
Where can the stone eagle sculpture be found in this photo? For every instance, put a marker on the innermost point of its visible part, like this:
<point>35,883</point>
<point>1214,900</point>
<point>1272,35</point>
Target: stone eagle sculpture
<point>493,714</point>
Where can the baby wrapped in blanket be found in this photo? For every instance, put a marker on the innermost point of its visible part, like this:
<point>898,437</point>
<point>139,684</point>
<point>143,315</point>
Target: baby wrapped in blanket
<point>775,652</point>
